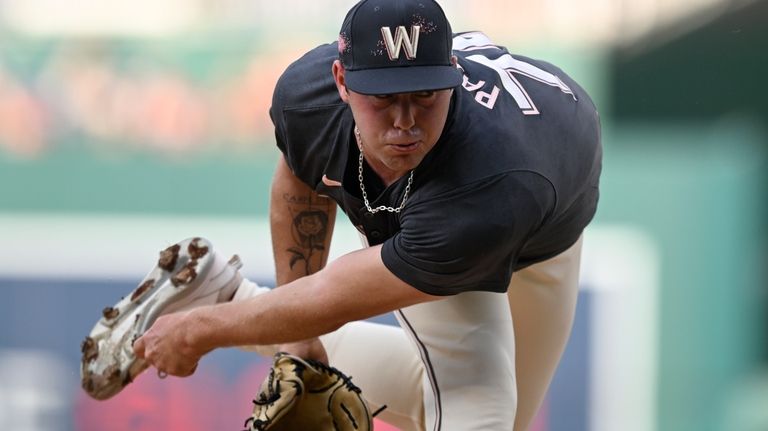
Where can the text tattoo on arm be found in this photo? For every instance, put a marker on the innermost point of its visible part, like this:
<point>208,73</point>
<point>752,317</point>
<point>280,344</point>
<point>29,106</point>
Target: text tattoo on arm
<point>309,231</point>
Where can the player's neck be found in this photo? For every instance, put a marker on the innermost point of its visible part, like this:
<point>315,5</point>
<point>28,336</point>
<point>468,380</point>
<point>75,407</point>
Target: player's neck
<point>386,175</point>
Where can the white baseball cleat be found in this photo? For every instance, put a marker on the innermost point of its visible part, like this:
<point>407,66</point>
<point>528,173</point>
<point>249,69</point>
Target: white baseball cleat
<point>188,274</point>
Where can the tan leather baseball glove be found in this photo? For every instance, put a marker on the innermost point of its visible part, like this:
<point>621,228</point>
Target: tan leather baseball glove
<point>306,395</point>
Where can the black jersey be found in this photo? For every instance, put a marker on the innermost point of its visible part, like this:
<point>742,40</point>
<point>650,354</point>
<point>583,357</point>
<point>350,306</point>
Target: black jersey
<point>513,179</point>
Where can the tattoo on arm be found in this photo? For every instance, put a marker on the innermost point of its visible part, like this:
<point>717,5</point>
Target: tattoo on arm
<point>309,230</point>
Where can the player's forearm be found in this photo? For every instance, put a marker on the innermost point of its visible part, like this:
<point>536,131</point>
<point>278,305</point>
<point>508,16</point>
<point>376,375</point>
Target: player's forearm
<point>301,224</point>
<point>356,286</point>
<point>284,315</point>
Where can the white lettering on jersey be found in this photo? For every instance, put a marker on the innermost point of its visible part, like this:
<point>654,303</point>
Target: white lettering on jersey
<point>472,42</point>
<point>506,67</point>
<point>401,39</point>
<point>486,99</point>
<point>470,86</point>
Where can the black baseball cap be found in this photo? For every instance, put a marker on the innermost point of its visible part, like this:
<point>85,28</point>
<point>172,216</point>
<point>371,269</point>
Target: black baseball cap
<point>397,46</point>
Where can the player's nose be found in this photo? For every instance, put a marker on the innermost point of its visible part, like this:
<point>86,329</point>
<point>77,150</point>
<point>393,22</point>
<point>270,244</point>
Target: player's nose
<point>403,114</point>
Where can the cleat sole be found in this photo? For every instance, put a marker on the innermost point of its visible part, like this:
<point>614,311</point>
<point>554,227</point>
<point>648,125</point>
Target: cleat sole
<point>108,363</point>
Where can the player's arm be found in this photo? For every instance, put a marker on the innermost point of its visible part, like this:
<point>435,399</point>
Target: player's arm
<point>301,223</point>
<point>353,287</point>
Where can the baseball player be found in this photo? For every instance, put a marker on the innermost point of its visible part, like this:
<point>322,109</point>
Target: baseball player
<point>470,172</point>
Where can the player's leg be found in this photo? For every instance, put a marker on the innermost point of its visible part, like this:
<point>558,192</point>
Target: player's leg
<point>542,298</point>
<point>466,343</point>
<point>382,362</point>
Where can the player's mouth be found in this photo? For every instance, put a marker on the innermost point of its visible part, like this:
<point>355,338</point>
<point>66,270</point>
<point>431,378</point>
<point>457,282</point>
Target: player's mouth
<point>406,147</point>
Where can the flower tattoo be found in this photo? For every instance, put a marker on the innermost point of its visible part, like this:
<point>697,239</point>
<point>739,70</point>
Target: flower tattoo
<point>309,231</point>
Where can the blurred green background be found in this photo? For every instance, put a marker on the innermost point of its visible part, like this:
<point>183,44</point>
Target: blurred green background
<point>144,119</point>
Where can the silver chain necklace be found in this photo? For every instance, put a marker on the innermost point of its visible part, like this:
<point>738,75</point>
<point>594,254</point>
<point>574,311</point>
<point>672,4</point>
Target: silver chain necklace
<point>362,186</point>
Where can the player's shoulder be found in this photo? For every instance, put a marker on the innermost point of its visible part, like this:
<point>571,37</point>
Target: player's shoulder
<point>477,48</point>
<point>495,77</point>
<point>514,113</point>
<point>308,81</point>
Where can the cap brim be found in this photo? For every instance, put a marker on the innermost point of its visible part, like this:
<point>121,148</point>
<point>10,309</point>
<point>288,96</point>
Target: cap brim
<point>393,80</point>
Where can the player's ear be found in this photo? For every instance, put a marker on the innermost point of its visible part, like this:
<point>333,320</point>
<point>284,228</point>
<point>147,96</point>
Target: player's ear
<point>338,76</point>
<point>454,60</point>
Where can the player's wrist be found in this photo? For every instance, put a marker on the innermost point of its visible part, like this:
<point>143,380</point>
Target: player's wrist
<point>310,348</point>
<point>200,333</point>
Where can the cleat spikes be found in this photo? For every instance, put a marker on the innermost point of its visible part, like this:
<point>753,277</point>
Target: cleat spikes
<point>235,261</point>
<point>90,349</point>
<point>110,313</point>
<point>186,275</point>
<point>168,257</point>
<point>195,250</point>
<point>141,290</point>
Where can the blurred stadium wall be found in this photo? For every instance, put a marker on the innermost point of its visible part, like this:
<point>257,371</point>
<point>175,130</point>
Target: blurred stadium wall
<point>126,126</point>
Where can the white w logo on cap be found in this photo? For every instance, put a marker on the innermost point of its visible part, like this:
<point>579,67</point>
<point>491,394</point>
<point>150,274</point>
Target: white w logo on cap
<point>401,39</point>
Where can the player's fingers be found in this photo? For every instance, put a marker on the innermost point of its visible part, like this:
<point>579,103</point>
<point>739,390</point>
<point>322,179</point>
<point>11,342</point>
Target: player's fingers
<point>192,371</point>
<point>138,347</point>
<point>307,349</point>
<point>181,372</point>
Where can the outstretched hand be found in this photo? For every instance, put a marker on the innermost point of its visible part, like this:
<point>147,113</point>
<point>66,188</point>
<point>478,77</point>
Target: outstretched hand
<point>167,347</point>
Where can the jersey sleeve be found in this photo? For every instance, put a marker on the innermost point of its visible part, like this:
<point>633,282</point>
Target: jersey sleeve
<point>306,111</point>
<point>469,239</point>
<point>276,115</point>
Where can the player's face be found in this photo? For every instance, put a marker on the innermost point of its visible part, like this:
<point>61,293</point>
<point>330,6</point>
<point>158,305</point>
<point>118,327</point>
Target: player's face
<point>398,130</point>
